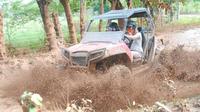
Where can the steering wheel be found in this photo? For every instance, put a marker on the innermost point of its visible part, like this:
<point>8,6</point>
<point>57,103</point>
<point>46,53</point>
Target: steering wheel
<point>126,40</point>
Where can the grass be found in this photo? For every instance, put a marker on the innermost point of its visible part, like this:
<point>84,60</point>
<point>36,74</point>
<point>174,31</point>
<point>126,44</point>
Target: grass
<point>185,22</point>
<point>188,20</point>
<point>190,7</point>
<point>31,35</point>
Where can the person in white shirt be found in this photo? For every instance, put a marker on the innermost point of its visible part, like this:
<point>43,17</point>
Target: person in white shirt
<point>136,37</point>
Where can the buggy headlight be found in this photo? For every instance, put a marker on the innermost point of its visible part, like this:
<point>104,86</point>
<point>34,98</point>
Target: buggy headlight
<point>65,53</point>
<point>96,54</point>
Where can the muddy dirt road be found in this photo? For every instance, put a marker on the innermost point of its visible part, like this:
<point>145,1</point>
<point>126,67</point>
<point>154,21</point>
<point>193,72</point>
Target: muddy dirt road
<point>190,39</point>
<point>179,62</point>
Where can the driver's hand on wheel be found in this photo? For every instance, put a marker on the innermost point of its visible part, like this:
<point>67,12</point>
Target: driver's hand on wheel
<point>128,36</point>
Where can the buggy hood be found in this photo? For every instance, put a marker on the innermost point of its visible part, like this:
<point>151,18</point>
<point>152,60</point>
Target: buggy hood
<point>97,40</point>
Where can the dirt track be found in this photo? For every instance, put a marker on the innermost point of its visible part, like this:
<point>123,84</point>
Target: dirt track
<point>145,85</point>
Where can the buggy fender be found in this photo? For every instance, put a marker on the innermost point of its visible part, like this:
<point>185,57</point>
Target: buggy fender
<point>121,49</point>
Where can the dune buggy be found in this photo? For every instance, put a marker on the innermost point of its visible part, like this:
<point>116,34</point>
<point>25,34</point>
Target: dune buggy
<point>101,49</point>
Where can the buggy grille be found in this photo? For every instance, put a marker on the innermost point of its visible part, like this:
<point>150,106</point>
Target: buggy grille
<point>81,61</point>
<point>79,58</point>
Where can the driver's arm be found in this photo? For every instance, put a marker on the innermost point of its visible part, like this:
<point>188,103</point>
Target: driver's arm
<point>134,37</point>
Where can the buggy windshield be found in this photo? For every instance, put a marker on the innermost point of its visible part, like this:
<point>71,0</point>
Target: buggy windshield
<point>107,37</point>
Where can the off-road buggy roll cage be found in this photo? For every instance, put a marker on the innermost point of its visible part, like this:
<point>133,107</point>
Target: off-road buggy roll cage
<point>125,14</point>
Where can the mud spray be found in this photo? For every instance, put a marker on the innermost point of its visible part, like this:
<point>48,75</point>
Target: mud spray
<point>111,91</point>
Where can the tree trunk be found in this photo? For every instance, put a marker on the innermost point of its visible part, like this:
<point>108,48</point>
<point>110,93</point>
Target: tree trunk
<point>144,3</point>
<point>177,10</point>
<point>71,26</point>
<point>2,46</point>
<point>117,5</point>
<point>129,4</point>
<point>82,17</point>
<point>113,4</point>
<point>101,12</point>
<point>147,5</point>
<point>57,26</point>
<point>171,11</point>
<point>48,25</point>
<point>160,17</point>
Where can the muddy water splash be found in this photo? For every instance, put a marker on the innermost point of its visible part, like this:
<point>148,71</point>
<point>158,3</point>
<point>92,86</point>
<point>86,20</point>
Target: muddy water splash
<point>59,87</point>
<point>181,64</point>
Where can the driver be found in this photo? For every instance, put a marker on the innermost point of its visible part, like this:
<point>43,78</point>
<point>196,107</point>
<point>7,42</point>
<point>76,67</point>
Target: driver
<point>136,37</point>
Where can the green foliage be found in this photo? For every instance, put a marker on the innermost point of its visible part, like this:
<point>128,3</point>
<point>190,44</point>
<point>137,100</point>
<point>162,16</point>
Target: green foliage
<point>21,12</point>
<point>56,6</point>
<point>136,3</point>
<point>192,6</point>
<point>173,1</point>
<point>17,14</point>
<point>75,4</point>
<point>96,6</point>
<point>90,3</point>
<point>31,35</point>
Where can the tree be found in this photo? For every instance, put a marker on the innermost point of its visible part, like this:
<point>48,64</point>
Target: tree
<point>116,4</point>
<point>71,27</point>
<point>156,5</point>
<point>149,5</point>
<point>2,47</point>
<point>48,25</point>
<point>82,17</point>
<point>129,3</point>
<point>101,12</point>
<point>171,11</point>
<point>16,16</point>
<point>57,26</point>
<point>177,10</point>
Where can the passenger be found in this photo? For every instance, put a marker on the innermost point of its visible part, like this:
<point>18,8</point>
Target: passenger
<point>113,26</point>
<point>136,37</point>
